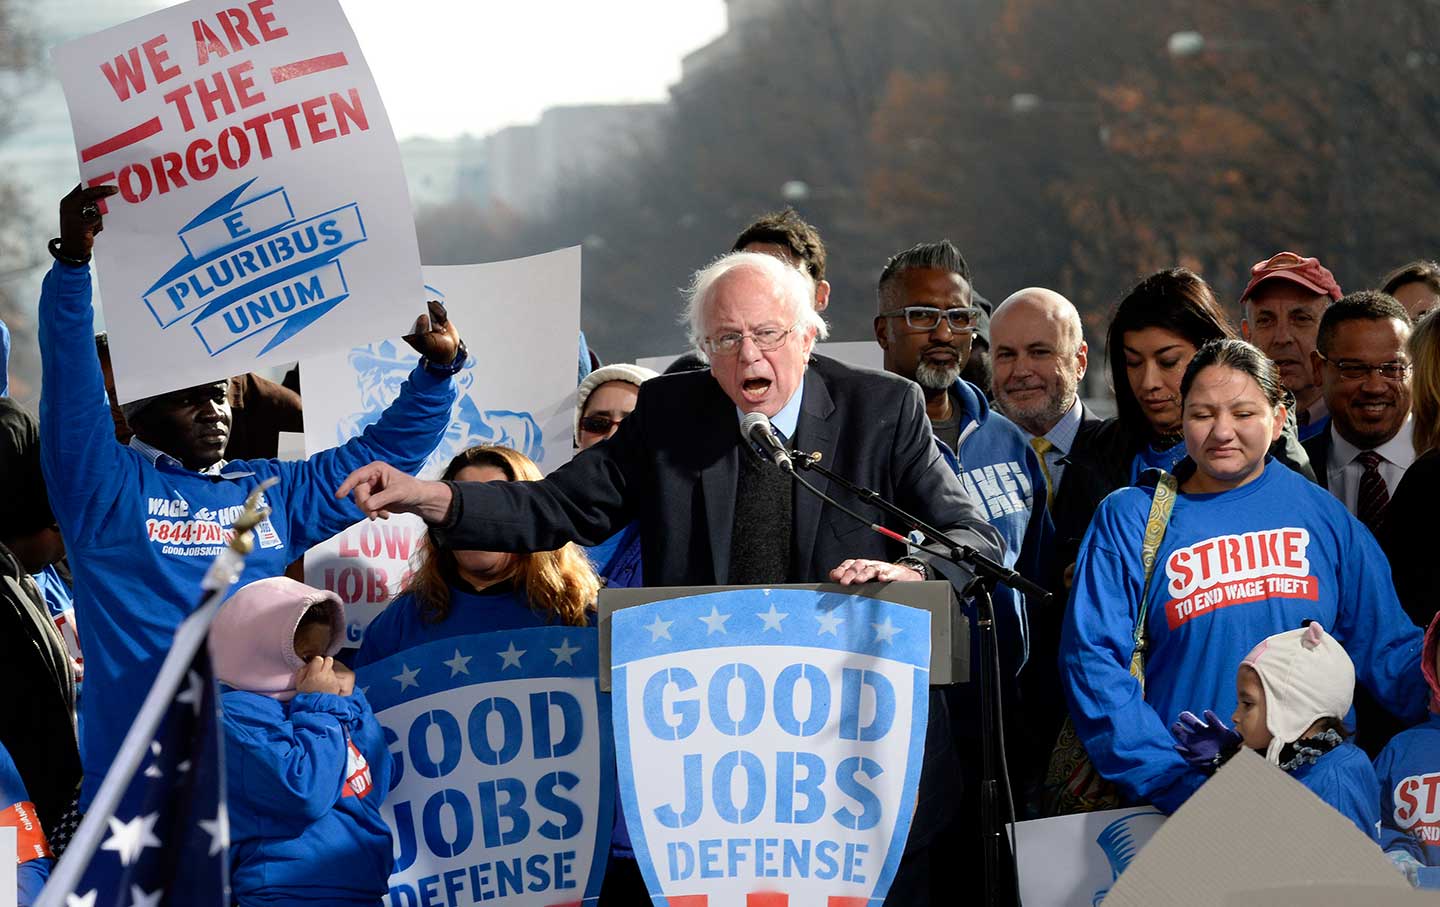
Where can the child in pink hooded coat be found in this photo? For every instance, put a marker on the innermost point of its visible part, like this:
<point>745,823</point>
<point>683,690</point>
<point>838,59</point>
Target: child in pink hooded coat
<point>306,765</point>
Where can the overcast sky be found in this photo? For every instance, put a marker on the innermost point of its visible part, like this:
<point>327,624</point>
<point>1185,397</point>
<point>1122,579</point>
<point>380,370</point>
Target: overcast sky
<point>446,67</point>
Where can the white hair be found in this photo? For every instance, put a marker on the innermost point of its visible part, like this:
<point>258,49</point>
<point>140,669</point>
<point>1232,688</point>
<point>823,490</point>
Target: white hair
<point>796,289</point>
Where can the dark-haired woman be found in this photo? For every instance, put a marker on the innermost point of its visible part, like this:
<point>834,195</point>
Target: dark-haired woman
<point>1155,331</point>
<point>1416,286</point>
<point>1251,549</point>
<point>457,593</point>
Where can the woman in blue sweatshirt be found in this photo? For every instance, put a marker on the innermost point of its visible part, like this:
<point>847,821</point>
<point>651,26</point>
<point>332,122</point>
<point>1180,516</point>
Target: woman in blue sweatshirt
<point>1251,549</point>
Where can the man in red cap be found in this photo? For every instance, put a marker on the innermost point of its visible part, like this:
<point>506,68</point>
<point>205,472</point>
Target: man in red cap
<point>1282,305</point>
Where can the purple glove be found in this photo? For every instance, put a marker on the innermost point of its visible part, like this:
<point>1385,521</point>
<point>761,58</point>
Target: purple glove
<point>1204,744</point>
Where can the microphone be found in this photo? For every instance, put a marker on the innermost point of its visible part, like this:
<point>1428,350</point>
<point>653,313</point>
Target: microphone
<point>755,428</point>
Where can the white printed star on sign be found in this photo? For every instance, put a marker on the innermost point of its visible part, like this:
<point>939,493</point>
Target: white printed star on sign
<point>830,623</point>
<point>772,619</point>
<point>565,653</point>
<point>659,628</point>
<point>885,632</point>
<point>511,656</point>
<point>458,665</point>
<point>85,900</point>
<point>714,621</point>
<point>407,676</point>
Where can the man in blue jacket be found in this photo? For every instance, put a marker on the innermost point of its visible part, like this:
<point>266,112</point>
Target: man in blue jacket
<point>925,325</point>
<point>143,522</point>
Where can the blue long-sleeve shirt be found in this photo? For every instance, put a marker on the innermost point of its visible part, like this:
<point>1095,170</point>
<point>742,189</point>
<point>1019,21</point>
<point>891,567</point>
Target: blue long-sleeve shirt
<point>32,853</point>
<point>1234,568</point>
<point>1345,779</point>
<point>305,780</point>
<point>1409,782</point>
<point>143,532</point>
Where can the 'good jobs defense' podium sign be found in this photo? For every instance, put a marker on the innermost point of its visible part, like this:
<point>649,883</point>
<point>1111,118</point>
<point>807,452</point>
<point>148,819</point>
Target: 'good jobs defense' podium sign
<point>503,792</point>
<point>769,741</point>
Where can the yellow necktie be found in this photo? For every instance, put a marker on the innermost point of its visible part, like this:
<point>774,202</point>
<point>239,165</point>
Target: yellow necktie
<point>1042,447</point>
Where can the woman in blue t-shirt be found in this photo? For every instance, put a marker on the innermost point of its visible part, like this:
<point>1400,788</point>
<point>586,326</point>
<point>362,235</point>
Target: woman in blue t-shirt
<point>1154,332</point>
<point>457,593</point>
<point>1251,549</point>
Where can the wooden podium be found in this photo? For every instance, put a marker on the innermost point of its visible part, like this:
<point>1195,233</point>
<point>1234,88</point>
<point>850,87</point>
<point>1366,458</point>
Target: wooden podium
<point>949,628</point>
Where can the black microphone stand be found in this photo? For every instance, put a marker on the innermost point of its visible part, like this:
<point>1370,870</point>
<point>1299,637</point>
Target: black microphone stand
<point>986,573</point>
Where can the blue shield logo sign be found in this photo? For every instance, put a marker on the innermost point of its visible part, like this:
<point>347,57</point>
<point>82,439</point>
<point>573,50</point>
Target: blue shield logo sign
<point>503,790</point>
<point>769,741</point>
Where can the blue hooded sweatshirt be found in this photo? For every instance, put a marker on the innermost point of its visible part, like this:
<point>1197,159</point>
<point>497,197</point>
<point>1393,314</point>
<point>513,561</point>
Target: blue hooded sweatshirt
<point>144,531</point>
<point>305,780</point>
<point>1234,568</point>
<point>1409,777</point>
<point>1002,475</point>
<point>32,851</point>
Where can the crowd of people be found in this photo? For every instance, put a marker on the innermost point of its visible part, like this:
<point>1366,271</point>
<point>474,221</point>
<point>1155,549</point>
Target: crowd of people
<point>1244,540</point>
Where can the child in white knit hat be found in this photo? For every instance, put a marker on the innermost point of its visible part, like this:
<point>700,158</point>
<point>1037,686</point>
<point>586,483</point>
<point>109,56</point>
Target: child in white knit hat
<point>1294,690</point>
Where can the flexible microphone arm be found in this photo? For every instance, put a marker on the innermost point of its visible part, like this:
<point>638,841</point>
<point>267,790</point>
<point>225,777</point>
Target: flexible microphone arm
<point>961,555</point>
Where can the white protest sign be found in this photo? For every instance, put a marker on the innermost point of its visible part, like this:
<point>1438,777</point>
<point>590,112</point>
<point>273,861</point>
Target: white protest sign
<point>1071,861</point>
<point>768,744</point>
<point>263,214</point>
<point>503,790</point>
<point>9,872</point>
<point>520,320</point>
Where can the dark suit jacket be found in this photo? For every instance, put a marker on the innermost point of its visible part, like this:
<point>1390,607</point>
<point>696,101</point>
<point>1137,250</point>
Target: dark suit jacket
<point>674,463</point>
<point>1319,447</point>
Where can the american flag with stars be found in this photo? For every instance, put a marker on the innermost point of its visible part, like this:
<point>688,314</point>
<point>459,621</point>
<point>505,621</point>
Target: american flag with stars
<point>166,840</point>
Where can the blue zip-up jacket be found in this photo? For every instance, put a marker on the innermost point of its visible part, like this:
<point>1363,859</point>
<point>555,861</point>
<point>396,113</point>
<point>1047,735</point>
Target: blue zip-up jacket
<point>144,532</point>
<point>32,851</point>
<point>304,783</point>
<point>1345,779</point>
<point>1002,475</point>
<point>1234,568</point>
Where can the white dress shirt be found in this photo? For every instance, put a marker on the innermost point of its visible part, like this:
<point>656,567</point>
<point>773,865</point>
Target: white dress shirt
<point>1344,470</point>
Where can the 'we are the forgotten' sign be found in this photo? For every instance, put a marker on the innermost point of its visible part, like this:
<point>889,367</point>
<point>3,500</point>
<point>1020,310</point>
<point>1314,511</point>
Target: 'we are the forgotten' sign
<point>504,790</point>
<point>769,741</point>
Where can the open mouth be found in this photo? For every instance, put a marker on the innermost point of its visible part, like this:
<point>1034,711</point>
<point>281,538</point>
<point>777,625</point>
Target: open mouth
<point>755,388</point>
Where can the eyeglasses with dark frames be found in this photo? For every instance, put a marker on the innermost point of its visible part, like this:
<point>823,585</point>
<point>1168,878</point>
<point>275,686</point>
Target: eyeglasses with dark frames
<point>927,318</point>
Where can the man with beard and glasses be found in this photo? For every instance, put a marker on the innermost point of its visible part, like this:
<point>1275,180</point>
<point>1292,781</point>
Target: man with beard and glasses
<point>1361,365</point>
<point>925,323</point>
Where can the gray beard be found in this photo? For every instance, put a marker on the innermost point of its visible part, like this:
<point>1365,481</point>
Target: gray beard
<point>934,377</point>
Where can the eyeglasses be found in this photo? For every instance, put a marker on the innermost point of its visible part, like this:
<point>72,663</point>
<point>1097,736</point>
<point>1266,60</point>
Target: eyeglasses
<point>765,340</point>
<point>1359,371</point>
<point>598,425</point>
<point>927,318</point>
